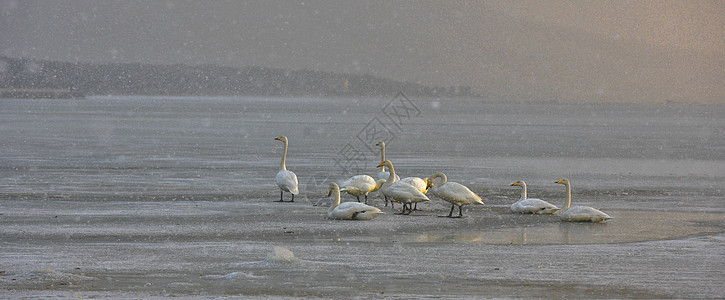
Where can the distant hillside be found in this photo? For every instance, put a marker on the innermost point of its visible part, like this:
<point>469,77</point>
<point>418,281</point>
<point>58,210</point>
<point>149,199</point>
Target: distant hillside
<point>143,79</point>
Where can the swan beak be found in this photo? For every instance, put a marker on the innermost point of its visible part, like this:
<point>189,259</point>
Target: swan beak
<point>560,181</point>
<point>378,144</point>
<point>278,138</point>
<point>515,184</point>
<point>329,193</point>
<point>381,164</point>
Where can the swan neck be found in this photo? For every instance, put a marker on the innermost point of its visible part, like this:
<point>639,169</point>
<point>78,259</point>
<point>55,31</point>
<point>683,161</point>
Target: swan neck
<point>335,198</point>
<point>282,165</point>
<point>568,195</point>
<point>523,191</point>
<point>391,178</point>
<point>382,154</point>
<point>444,179</point>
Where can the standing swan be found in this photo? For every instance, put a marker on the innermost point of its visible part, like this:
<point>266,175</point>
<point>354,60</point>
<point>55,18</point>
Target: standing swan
<point>382,174</point>
<point>580,213</point>
<point>286,180</point>
<point>400,191</point>
<point>349,210</point>
<point>359,185</point>
<point>452,192</point>
<point>531,205</point>
<point>419,184</point>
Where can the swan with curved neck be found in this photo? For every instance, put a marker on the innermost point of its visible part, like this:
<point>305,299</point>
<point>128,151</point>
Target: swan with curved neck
<point>349,210</point>
<point>286,180</point>
<point>580,213</point>
<point>527,205</point>
<point>401,191</point>
<point>452,192</point>
<point>359,185</point>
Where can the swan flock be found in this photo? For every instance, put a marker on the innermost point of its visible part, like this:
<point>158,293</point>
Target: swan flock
<point>410,191</point>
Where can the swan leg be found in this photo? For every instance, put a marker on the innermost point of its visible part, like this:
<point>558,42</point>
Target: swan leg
<point>366,198</point>
<point>280,196</point>
<point>460,212</point>
<point>416,206</point>
<point>358,198</point>
<point>293,198</point>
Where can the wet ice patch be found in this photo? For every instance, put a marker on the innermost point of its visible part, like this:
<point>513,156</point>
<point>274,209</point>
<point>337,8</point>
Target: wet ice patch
<point>235,275</point>
<point>281,255</point>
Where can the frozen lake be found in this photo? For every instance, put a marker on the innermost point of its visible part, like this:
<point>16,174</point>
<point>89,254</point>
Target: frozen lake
<point>159,196</point>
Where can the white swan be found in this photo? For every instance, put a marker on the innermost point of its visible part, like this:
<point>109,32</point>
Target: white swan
<point>359,185</point>
<point>349,210</point>
<point>382,174</point>
<point>531,205</point>
<point>419,184</point>
<point>452,192</point>
<point>400,191</point>
<point>286,180</point>
<point>580,213</point>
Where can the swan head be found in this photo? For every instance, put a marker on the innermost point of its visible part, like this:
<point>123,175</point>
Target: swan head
<point>381,144</point>
<point>563,181</point>
<point>281,138</point>
<point>386,163</point>
<point>516,183</point>
<point>333,186</point>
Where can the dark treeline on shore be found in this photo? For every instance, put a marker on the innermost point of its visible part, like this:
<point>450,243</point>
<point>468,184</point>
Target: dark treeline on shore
<point>207,80</point>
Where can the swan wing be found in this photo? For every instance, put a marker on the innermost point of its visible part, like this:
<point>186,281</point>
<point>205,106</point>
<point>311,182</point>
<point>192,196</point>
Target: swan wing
<point>287,181</point>
<point>584,214</point>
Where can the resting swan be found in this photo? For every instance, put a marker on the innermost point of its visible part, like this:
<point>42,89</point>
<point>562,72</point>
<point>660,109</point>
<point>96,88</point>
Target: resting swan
<point>452,192</point>
<point>382,174</point>
<point>359,185</point>
<point>531,205</point>
<point>286,180</point>
<point>580,213</point>
<point>400,191</point>
<point>349,210</point>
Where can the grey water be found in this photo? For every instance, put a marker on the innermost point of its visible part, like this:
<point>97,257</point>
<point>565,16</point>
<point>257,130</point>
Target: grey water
<point>173,196</point>
<point>128,145</point>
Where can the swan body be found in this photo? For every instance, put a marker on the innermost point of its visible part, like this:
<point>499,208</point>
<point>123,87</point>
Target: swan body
<point>531,205</point>
<point>417,183</point>
<point>359,185</point>
<point>580,213</point>
<point>400,191</point>
<point>349,210</point>
<point>452,192</point>
<point>286,179</point>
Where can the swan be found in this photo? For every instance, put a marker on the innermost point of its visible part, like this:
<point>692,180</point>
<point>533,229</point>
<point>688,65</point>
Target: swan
<point>400,191</point>
<point>417,183</point>
<point>531,205</point>
<point>382,174</point>
<point>580,213</point>
<point>286,179</point>
<point>452,192</point>
<point>359,185</point>
<point>349,210</point>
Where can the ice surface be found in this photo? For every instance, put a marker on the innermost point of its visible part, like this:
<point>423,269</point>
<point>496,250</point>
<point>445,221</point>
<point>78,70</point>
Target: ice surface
<point>158,197</point>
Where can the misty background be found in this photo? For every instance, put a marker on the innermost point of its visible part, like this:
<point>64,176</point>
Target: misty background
<point>582,51</point>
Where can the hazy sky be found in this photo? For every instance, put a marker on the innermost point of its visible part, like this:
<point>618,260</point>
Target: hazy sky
<point>623,51</point>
